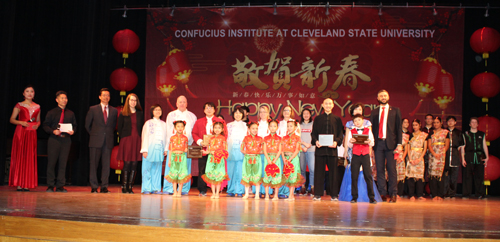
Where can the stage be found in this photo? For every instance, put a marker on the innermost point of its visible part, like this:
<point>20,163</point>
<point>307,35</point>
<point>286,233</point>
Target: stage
<point>79,215</point>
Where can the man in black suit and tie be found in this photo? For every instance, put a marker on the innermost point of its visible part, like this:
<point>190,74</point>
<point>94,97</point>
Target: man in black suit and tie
<point>387,130</point>
<point>100,123</point>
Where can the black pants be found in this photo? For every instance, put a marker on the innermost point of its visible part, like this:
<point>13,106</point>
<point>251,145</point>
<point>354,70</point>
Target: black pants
<point>383,154</point>
<point>401,187</point>
<point>436,186</point>
<point>450,182</point>
<point>202,164</point>
<point>103,153</point>
<point>473,172</point>
<point>415,186</point>
<point>57,149</point>
<point>319,175</point>
<point>356,162</point>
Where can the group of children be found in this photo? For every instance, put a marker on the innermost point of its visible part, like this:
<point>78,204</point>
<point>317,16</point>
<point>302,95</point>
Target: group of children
<point>272,161</point>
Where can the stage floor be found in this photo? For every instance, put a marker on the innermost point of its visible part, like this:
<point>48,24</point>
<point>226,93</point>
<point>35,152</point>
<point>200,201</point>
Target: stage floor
<point>405,219</point>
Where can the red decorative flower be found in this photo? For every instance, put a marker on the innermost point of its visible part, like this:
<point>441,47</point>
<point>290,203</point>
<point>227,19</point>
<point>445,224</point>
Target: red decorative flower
<point>219,154</point>
<point>271,170</point>
<point>288,169</point>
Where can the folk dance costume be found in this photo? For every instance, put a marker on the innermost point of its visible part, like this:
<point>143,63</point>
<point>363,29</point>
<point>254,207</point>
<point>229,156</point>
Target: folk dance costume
<point>190,119</point>
<point>401,167</point>
<point>252,164</point>
<point>178,172</point>
<point>415,173</point>
<point>237,130</point>
<point>262,132</point>
<point>436,166</point>
<point>272,176</point>
<point>474,170</point>
<point>154,139</point>
<point>215,171</point>
<point>359,181</point>
<point>284,191</point>
<point>23,162</point>
<point>291,168</point>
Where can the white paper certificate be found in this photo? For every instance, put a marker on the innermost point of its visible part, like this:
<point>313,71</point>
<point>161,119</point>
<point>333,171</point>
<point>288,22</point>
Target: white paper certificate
<point>65,128</point>
<point>326,139</point>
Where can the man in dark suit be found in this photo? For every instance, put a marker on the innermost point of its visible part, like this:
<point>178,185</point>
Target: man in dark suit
<point>100,123</point>
<point>59,143</point>
<point>201,127</point>
<point>387,131</point>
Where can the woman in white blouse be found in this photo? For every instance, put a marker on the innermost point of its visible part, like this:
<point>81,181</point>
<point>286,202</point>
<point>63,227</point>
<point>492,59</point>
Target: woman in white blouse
<point>237,130</point>
<point>154,149</point>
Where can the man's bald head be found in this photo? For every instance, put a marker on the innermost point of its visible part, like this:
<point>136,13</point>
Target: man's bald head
<point>182,103</point>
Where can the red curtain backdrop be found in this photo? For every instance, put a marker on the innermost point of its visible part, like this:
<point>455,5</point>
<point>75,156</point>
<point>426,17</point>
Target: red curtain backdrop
<point>298,57</point>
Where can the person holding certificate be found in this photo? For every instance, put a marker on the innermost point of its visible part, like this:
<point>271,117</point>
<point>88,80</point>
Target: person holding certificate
<point>60,123</point>
<point>326,133</point>
<point>203,127</point>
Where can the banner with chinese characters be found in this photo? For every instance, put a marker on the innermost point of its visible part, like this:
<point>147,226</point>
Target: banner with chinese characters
<point>300,55</point>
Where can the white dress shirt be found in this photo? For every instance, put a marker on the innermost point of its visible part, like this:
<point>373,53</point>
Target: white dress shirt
<point>384,128</point>
<point>187,116</point>
<point>263,128</point>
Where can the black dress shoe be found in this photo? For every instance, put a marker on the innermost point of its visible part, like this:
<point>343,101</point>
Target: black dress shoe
<point>104,190</point>
<point>94,190</point>
<point>354,200</point>
<point>19,190</point>
<point>373,201</point>
<point>26,190</point>
<point>50,189</point>
<point>61,189</point>
<point>393,199</point>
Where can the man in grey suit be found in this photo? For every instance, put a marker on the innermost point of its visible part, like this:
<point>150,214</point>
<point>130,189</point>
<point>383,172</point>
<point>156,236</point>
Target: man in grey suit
<point>100,123</point>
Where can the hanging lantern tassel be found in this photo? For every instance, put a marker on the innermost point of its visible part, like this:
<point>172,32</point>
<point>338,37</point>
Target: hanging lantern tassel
<point>125,56</point>
<point>170,104</point>
<point>190,93</point>
<point>122,94</point>
<point>417,108</point>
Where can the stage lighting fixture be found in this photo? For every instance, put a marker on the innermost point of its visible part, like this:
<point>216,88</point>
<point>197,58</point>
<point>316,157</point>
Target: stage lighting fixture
<point>327,7</point>
<point>172,12</point>
<point>487,8</point>
<point>275,6</point>
<point>380,9</point>
<point>124,12</point>
<point>434,12</point>
<point>223,12</point>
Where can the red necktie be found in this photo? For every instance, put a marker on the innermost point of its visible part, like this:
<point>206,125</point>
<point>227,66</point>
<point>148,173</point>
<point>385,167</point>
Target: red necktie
<point>105,115</point>
<point>381,125</point>
<point>61,120</point>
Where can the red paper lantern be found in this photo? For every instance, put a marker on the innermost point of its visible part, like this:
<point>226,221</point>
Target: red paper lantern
<point>177,62</point>
<point>492,169</point>
<point>485,85</point>
<point>484,41</point>
<point>164,80</point>
<point>427,75</point>
<point>490,126</point>
<point>445,89</point>
<point>123,79</point>
<point>114,163</point>
<point>126,42</point>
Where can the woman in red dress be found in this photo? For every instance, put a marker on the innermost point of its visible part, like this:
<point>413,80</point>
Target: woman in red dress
<point>130,122</point>
<point>26,116</point>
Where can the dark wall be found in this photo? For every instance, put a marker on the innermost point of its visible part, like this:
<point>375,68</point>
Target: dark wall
<point>66,45</point>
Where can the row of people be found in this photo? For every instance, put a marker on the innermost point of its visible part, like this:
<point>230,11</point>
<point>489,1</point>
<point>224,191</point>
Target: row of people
<point>101,120</point>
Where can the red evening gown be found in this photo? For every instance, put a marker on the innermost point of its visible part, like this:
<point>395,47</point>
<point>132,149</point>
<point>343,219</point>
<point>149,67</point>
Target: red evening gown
<point>23,163</point>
